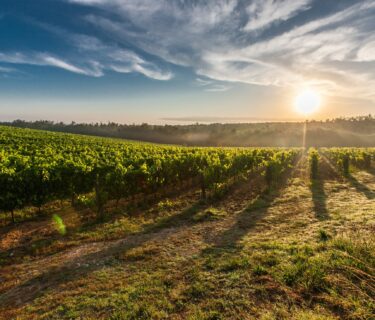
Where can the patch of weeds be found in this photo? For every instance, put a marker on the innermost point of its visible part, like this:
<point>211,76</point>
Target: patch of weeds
<point>342,267</point>
<point>314,277</point>
<point>267,258</point>
<point>141,311</point>
<point>344,244</point>
<point>358,246</point>
<point>259,270</point>
<point>109,230</point>
<point>209,214</point>
<point>206,315</point>
<point>213,315</point>
<point>301,253</point>
<point>140,253</point>
<point>280,312</point>
<point>307,271</point>
<point>259,203</point>
<point>292,273</point>
<point>197,290</point>
<point>311,315</point>
<point>210,263</point>
<point>235,263</point>
<point>234,277</point>
<point>270,246</point>
<point>324,235</point>
<point>271,261</point>
<point>214,257</point>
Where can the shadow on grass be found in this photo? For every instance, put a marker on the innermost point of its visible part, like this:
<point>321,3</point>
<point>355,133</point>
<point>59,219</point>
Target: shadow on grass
<point>35,245</point>
<point>225,251</point>
<point>257,210</point>
<point>370,171</point>
<point>319,198</point>
<point>326,172</point>
<point>247,219</point>
<point>360,187</point>
<point>82,266</point>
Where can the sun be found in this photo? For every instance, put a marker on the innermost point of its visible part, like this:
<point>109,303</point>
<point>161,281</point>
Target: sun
<point>307,102</point>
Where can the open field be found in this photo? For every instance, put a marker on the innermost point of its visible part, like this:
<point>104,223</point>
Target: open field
<point>187,160</point>
<point>265,241</point>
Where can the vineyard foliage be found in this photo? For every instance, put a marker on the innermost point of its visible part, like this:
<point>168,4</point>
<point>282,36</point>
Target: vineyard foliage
<point>37,167</point>
<point>314,163</point>
<point>344,158</point>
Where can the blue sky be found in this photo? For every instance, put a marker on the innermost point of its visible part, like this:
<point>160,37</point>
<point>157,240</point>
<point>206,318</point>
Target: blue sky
<point>146,60</point>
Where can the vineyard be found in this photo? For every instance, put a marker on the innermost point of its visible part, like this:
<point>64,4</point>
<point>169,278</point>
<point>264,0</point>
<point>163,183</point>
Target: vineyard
<point>38,167</point>
<point>112,229</point>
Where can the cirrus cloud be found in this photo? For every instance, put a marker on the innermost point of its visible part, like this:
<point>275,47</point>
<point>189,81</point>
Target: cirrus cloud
<point>270,43</point>
<point>252,42</point>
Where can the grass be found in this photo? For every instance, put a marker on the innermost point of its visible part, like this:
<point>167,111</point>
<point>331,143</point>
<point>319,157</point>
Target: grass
<point>246,256</point>
<point>209,214</point>
<point>324,235</point>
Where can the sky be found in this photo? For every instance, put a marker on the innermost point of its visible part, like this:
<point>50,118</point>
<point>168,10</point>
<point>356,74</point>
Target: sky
<point>179,61</point>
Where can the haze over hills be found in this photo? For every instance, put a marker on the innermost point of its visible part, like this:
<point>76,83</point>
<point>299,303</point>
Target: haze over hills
<point>340,132</point>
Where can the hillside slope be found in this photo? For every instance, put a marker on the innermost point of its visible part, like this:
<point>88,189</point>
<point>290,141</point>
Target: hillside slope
<point>300,252</point>
<point>351,132</point>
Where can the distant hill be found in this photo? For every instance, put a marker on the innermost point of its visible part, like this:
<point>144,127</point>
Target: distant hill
<point>340,132</point>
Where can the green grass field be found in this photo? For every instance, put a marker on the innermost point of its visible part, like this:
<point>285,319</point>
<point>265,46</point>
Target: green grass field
<point>303,249</point>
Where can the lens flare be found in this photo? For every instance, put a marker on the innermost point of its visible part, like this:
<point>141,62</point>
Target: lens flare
<point>59,224</point>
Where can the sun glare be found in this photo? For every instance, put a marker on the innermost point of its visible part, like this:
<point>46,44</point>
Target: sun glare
<point>307,102</point>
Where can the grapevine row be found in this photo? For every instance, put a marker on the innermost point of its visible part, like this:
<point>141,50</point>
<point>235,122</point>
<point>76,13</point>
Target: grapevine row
<point>37,167</point>
<point>344,158</point>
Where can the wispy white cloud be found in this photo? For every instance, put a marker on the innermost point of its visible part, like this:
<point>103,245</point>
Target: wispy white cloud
<point>45,59</point>
<point>98,57</point>
<point>84,42</point>
<point>89,55</point>
<point>211,85</point>
<point>252,42</point>
<point>264,13</point>
<point>148,72</point>
<point>56,62</point>
<point>6,70</point>
<point>203,82</point>
<point>217,88</point>
<point>126,61</point>
<point>367,52</point>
